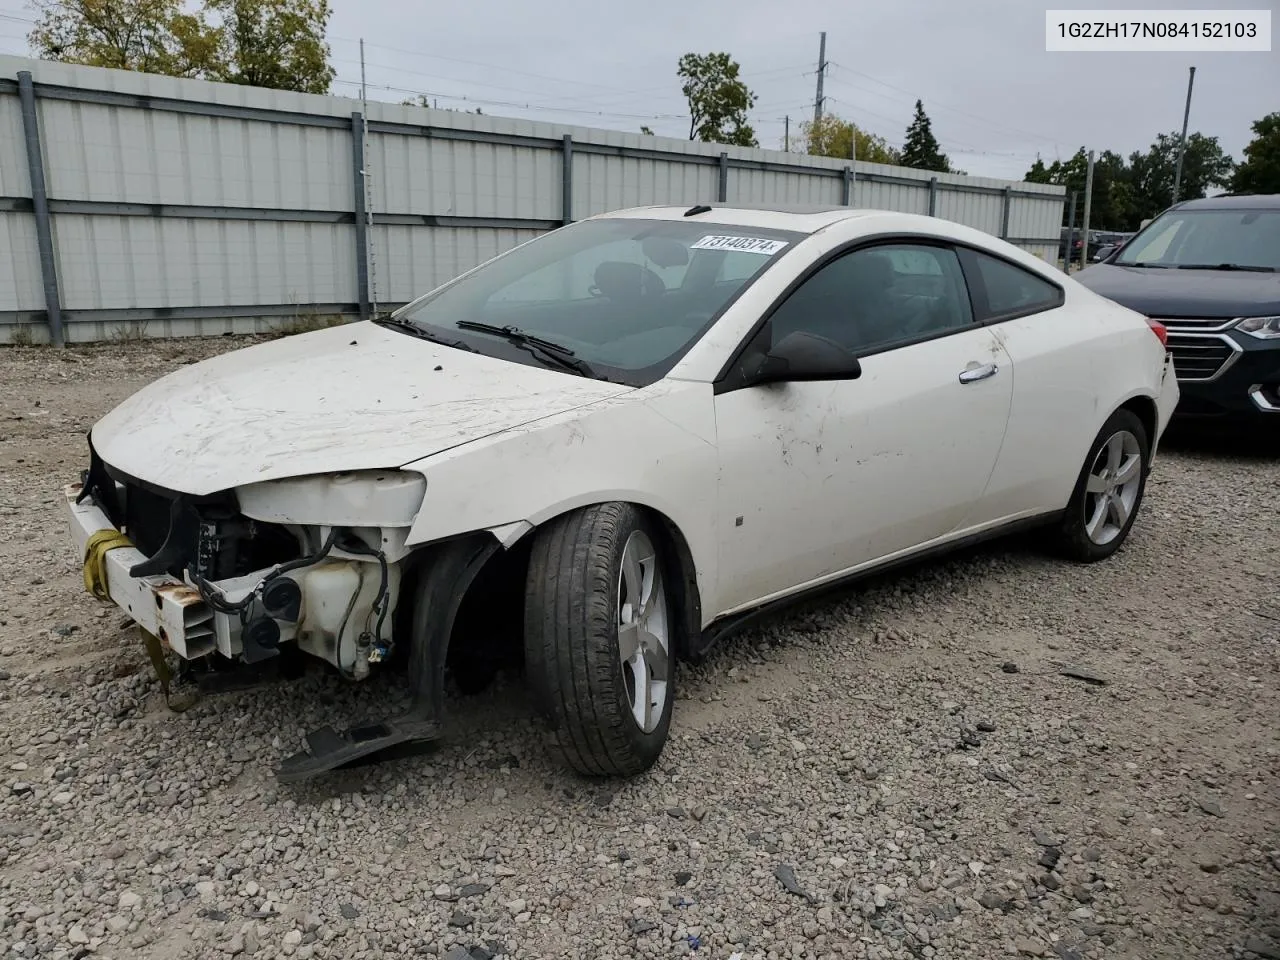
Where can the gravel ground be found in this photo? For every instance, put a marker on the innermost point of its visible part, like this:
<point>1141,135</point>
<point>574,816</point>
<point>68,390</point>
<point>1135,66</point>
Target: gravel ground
<point>903,772</point>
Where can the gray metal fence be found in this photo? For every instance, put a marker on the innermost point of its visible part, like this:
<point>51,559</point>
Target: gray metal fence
<point>164,207</point>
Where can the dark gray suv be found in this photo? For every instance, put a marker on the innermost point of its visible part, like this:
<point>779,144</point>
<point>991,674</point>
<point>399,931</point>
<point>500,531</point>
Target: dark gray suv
<point>1209,270</point>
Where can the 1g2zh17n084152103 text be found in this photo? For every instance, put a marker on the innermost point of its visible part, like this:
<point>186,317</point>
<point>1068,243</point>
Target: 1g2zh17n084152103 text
<point>1129,31</point>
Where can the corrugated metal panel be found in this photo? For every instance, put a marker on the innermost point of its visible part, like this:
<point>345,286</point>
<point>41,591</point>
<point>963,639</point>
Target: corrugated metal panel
<point>119,155</point>
<point>120,150</point>
<point>114,262</point>
<point>602,183</point>
<point>458,178</point>
<point>981,210</point>
<point>97,330</point>
<point>768,186</point>
<point>902,197</point>
<point>15,181</point>
<point>452,178</point>
<point>20,284</point>
<point>412,261</point>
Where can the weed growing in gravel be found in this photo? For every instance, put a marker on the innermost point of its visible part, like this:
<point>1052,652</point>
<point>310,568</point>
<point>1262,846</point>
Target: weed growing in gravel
<point>22,336</point>
<point>134,331</point>
<point>306,323</point>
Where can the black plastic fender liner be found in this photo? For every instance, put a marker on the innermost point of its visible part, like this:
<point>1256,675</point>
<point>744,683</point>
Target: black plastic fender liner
<point>447,574</point>
<point>446,570</point>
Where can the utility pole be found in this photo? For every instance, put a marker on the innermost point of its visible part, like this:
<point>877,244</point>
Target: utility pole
<point>822,70</point>
<point>1182,144</point>
<point>786,133</point>
<point>1088,202</point>
<point>364,97</point>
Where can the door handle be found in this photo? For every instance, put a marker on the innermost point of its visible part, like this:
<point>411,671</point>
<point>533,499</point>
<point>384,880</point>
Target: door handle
<point>974,374</point>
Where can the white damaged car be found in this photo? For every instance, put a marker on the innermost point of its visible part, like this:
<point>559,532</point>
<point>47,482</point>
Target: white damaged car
<point>629,434</point>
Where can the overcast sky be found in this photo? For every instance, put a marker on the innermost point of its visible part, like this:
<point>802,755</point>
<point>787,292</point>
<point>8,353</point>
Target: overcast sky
<point>995,96</point>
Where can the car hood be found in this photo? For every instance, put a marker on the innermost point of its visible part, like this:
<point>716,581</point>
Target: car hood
<point>1186,293</point>
<point>353,397</point>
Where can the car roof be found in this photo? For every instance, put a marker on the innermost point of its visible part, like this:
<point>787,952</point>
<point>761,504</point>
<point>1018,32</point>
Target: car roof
<point>809,220</point>
<point>796,218</point>
<point>1262,201</point>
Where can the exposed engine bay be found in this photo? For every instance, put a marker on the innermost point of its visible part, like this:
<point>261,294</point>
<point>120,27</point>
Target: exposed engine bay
<point>331,590</point>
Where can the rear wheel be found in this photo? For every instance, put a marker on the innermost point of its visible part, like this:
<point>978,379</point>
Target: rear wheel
<point>598,630</point>
<point>1108,491</point>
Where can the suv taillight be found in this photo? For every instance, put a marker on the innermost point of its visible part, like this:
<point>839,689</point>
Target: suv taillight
<point>1161,332</point>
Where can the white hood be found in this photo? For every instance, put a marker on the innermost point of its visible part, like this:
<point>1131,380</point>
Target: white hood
<point>353,397</point>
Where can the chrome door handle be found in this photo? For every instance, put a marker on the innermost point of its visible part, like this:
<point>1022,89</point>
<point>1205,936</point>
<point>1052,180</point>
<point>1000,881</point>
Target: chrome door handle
<point>974,374</point>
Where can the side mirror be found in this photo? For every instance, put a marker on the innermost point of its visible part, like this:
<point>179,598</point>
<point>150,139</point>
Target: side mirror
<point>804,356</point>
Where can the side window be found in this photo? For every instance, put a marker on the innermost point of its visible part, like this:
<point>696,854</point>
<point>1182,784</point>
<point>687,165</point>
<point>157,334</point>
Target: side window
<point>1011,289</point>
<point>878,297</point>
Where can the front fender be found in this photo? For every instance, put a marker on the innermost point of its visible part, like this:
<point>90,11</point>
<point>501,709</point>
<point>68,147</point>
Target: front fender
<point>654,447</point>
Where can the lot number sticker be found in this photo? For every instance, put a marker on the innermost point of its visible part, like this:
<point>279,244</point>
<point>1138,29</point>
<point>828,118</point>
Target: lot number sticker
<point>742,244</point>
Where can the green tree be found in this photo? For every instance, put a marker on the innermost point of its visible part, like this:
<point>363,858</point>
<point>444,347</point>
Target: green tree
<point>833,137</point>
<point>1205,165</point>
<point>646,131</point>
<point>920,148</point>
<point>266,43</point>
<point>718,99</point>
<point>1260,171</point>
<point>275,43</point>
<point>152,36</point>
<point>1038,173</point>
<point>1112,195</point>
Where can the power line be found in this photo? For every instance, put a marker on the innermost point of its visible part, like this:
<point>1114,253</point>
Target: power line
<point>486,66</point>
<point>955,146</point>
<point>512,103</point>
<point>933,102</point>
<point>600,100</point>
<point>754,75</point>
<point>436,76</point>
<point>550,97</point>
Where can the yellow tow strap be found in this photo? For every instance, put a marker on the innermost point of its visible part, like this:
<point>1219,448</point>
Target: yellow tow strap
<point>183,701</point>
<point>96,549</point>
<point>95,561</point>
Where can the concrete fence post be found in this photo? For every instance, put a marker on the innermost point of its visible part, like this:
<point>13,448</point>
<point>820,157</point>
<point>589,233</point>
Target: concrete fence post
<point>40,206</point>
<point>933,196</point>
<point>1006,207</point>
<point>724,178</point>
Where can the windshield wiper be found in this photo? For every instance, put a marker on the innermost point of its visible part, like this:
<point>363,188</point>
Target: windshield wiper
<point>1252,268</point>
<point>1144,263</point>
<point>422,333</point>
<point>547,350</point>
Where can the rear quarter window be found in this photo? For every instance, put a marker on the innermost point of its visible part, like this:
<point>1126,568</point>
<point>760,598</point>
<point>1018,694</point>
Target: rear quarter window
<point>1009,289</point>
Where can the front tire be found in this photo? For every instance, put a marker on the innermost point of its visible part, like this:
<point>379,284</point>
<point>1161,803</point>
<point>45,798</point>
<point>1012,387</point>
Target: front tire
<point>599,623</point>
<point>1108,492</point>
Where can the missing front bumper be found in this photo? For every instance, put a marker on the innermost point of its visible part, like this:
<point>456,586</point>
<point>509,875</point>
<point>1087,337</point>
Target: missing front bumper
<point>336,619</point>
<point>162,605</point>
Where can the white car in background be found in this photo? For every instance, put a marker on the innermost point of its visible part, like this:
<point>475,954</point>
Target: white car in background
<point>629,434</point>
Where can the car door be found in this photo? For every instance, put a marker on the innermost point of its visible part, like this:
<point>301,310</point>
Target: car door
<point>816,478</point>
<point>1059,350</point>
